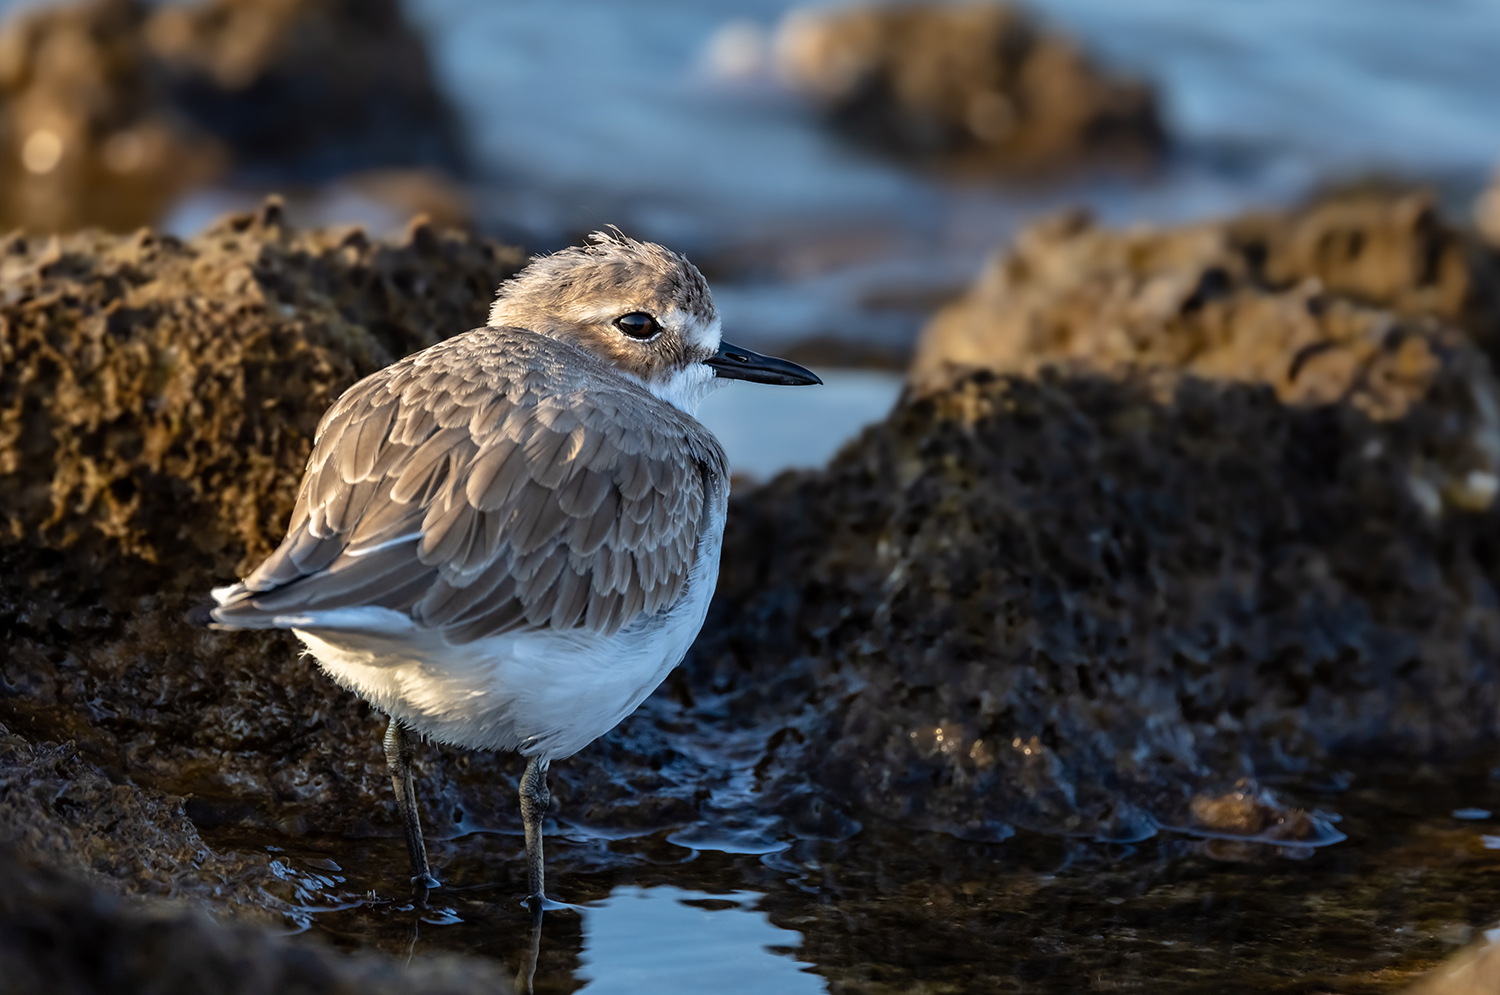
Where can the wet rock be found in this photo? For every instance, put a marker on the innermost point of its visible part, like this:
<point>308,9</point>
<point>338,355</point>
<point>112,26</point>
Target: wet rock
<point>1164,514</point>
<point>1086,604</point>
<point>978,86</point>
<point>157,404</point>
<point>110,110</point>
<point>1073,604</point>
<point>60,937</point>
<point>59,809</point>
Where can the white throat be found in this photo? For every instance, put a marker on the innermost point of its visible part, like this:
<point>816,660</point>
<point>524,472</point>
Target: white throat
<point>686,388</point>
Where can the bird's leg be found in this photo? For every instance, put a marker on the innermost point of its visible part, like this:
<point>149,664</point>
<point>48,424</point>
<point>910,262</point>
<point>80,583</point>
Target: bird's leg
<point>398,755</point>
<point>534,801</point>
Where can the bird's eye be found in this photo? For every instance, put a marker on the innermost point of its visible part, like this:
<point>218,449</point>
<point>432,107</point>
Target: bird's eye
<point>637,324</point>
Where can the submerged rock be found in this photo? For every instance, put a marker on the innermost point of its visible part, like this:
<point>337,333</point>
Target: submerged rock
<point>977,85</point>
<point>110,110</point>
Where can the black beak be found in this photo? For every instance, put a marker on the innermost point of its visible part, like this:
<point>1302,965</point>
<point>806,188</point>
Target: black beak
<point>735,363</point>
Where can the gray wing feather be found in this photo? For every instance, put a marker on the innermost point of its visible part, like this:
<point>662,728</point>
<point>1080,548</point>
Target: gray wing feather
<point>474,487</point>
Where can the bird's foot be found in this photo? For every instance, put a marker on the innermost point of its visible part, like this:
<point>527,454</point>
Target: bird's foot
<point>541,903</point>
<point>426,882</point>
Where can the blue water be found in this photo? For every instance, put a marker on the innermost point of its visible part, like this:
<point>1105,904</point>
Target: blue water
<point>669,941</point>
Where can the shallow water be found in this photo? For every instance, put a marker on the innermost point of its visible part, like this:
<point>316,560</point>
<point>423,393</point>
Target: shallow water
<point>769,429</point>
<point>896,911</point>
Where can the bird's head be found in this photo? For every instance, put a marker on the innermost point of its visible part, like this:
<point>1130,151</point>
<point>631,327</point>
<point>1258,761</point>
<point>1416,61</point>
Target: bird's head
<point>642,308</point>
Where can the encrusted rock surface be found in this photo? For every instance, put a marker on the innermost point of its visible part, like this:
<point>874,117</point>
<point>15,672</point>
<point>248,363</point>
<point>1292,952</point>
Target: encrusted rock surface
<point>1165,514</point>
<point>112,109</point>
<point>1071,605</point>
<point>1068,292</point>
<point>1084,601</point>
<point>979,86</point>
<point>157,403</point>
<point>1364,302</point>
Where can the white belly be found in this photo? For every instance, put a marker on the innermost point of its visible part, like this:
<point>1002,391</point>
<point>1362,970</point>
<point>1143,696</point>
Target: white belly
<point>541,693</point>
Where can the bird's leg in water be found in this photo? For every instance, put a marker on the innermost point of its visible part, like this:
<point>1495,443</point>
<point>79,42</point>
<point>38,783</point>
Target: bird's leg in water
<point>535,798</point>
<point>398,755</point>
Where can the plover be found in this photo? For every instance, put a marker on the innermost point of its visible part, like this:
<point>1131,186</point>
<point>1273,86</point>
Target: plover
<point>507,541</point>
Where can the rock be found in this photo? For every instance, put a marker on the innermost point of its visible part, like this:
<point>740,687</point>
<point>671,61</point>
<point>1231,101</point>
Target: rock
<point>87,136</point>
<point>978,86</point>
<point>110,110</point>
<point>1073,605</point>
<point>1364,303</point>
<point>1162,516</point>
<point>159,401</point>
<point>1487,212</point>
<point>1079,602</point>
<point>60,937</point>
<point>306,90</point>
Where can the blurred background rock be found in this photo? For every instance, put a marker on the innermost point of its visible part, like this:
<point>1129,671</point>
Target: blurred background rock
<point>112,110</point>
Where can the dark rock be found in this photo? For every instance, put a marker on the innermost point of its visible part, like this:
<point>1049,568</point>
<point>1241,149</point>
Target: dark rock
<point>1072,605</point>
<point>110,110</point>
<point>306,90</point>
<point>1081,601</point>
<point>1337,305</point>
<point>977,86</point>
<point>157,403</point>
<point>1163,516</point>
<point>60,937</point>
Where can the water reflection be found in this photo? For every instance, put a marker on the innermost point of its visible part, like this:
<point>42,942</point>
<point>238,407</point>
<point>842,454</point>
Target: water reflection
<point>665,939</point>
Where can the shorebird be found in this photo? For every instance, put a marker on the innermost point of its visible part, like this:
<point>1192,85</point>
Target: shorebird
<point>506,541</point>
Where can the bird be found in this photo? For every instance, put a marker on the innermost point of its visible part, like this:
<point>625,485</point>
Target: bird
<point>507,540</point>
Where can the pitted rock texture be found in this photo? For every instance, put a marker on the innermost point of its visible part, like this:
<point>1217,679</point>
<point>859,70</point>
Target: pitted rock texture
<point>977,86</point>
<point>112,109</point>
<point>158,400</point>
<point>1070,604</point>
<point>1371,303</point>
